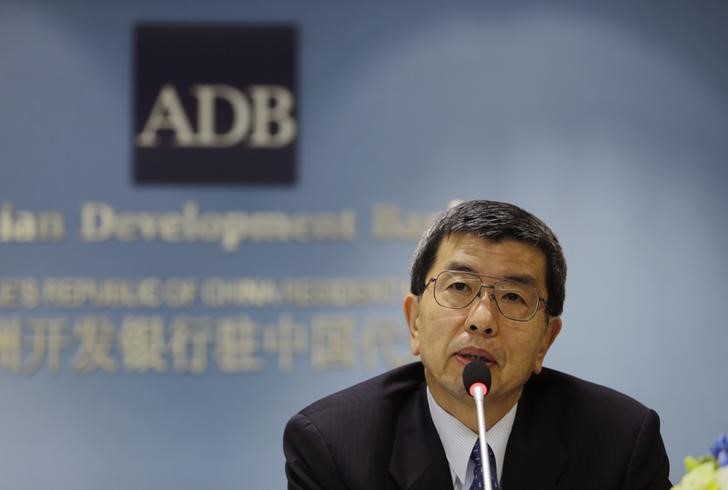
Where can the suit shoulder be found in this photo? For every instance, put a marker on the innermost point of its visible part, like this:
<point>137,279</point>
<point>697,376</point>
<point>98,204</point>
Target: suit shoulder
<point>388,388</point>
<point>350,436</point>
<point>366,415</point>
<point>602,433</point>
<point>578,394</point>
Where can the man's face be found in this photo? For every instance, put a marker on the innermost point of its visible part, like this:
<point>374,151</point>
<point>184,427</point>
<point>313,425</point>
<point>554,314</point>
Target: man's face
<point>445,338</point>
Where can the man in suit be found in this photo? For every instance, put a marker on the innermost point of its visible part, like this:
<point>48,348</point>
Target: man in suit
<point>488,284</point>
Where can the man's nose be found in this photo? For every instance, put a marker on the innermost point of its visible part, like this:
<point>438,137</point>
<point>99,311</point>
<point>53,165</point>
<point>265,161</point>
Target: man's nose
<point>483,315</point>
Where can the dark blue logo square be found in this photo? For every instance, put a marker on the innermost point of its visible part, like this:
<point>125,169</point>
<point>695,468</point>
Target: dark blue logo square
<point>215,103</point>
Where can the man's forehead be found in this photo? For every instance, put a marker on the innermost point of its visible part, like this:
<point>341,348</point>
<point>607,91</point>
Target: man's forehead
<point>464,239</point>
<point>506,257</point>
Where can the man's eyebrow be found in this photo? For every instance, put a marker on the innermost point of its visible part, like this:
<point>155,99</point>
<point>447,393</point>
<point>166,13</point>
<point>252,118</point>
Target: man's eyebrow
<point>519,278</point>
<point>523,279</point>
<point>459,266</point>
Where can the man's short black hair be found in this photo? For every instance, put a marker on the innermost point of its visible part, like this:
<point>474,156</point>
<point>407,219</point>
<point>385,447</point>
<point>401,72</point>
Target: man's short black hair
<point>496,221</point>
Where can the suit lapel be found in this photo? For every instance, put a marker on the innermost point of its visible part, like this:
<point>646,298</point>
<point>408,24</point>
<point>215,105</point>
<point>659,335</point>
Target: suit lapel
<point>535,455</point>
<point>418,459</point>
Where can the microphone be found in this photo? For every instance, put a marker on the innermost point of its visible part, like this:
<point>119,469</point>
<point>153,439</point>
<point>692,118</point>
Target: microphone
<point>476,373</point>
<point>476,379</point>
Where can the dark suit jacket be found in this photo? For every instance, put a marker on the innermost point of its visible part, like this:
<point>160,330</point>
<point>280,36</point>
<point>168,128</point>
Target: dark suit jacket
<point>568,434</point>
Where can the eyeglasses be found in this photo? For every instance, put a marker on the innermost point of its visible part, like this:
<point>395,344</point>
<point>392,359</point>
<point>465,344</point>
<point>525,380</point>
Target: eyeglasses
<point>515,300</point>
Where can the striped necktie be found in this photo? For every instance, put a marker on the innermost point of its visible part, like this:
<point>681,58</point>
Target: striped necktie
<point>478,471</point>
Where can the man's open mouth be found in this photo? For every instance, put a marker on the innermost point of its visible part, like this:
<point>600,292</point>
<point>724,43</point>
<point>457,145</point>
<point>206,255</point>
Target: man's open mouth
<point>470,355</point>
<point>476,358</point>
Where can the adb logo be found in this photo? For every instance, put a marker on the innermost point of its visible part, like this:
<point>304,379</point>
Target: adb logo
<point>215,104</point>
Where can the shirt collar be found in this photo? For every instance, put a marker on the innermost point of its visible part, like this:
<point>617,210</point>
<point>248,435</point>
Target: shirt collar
<point>458,440</point>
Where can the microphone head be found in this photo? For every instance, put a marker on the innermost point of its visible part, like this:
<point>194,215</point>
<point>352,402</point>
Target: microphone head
<point>476,372</point>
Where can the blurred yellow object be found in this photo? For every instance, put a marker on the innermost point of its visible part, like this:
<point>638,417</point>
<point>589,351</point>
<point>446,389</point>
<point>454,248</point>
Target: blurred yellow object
<point>701,474</point>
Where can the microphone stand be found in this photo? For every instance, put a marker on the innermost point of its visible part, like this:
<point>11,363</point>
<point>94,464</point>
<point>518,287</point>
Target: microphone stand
<point>479,394</point>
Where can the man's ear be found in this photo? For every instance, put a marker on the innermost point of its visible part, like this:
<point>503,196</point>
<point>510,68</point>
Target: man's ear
<point>411,308</point>
<point>553,327</point>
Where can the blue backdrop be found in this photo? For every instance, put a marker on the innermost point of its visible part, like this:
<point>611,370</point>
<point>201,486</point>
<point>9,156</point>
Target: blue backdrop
<point>607,121</point>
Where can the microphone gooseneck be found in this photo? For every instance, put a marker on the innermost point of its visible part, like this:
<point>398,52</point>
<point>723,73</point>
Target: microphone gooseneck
<point>477,380</point>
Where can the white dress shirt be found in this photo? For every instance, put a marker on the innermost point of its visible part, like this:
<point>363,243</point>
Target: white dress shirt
<point>458,441</point>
